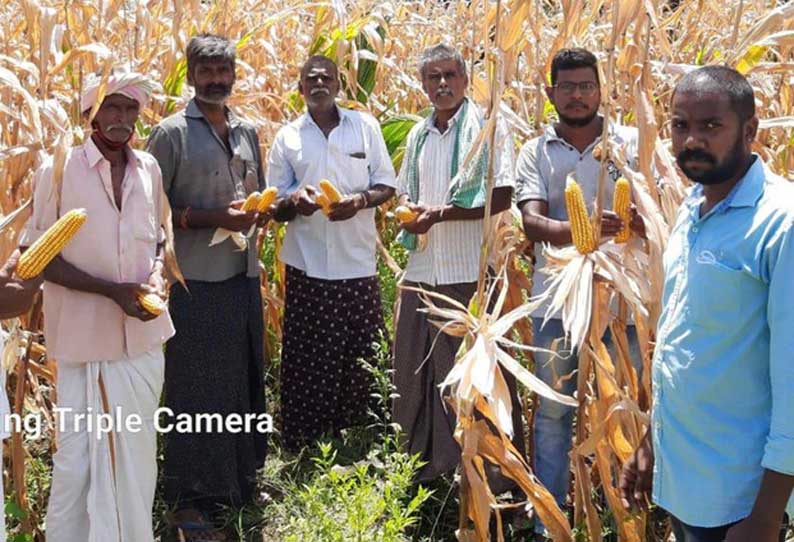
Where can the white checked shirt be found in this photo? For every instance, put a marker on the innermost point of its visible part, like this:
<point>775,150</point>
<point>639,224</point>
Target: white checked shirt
<point>452,255</point>
<point>354,158</point>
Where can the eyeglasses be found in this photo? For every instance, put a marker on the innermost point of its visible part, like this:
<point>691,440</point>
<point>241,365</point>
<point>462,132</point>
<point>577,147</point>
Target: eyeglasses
<point>587,88</point>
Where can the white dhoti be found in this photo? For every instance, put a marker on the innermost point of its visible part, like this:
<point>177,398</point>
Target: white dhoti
<point>103,483</point>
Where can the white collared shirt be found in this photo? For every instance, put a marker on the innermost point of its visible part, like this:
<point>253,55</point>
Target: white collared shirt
<point>452,255</point>
<point>354,158</point>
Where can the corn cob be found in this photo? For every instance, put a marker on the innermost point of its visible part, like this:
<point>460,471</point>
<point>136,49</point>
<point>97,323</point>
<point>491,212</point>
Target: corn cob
<point>620,205</point>
<point>324,203</point>
<point>153,303</point>
<point>46,247</point>
<point>330,191</point>
<point>251,202</point>
<point>581,228</point>
<point>404,214</point>
<point>267,199</point>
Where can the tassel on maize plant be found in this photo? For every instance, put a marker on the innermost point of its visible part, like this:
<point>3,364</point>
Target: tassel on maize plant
<point>49,245</point>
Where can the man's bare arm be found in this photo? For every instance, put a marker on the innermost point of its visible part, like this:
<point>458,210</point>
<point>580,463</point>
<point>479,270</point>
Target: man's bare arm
<point>539,228</point>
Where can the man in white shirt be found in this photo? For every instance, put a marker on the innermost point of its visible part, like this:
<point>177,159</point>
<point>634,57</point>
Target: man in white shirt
<point>333,312</point>
<point>449,197</point>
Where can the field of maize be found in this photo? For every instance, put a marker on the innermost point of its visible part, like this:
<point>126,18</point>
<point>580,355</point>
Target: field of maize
<point>50,46</point>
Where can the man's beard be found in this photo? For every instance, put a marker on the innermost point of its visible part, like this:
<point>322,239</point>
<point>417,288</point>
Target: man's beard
<point>214,94</point>
<point>577,122</point>
<point>721,172</point>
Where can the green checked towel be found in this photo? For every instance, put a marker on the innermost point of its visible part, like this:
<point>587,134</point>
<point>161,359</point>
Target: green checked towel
<point>467,189</point>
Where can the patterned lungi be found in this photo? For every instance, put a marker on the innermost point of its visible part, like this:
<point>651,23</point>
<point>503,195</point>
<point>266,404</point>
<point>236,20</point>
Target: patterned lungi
<point>329,325</point>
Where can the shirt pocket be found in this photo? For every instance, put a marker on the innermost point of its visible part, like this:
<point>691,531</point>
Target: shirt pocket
<point>245,176</point>
<point>714,291</point>
<point>353,174</point>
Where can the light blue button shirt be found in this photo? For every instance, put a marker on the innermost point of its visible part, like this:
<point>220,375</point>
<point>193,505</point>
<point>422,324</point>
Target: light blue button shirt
<point>723,372</point>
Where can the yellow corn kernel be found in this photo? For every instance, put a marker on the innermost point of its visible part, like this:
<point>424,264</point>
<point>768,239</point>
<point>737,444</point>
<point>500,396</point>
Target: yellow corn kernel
<point>330,191</point>
<point>581,228</point>
<point>404,214</point>
<point>251,202</point>
<point>153,303</point>
<point>46,247</point>
<point>620,205</point>
<point>324,203</point>
<point>267,199</point>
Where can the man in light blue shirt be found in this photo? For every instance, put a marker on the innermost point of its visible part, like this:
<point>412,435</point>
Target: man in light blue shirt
<point>720,451</point>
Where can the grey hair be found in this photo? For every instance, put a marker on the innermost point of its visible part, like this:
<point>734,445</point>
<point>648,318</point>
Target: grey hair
<point>440,52</point>
<point>209,47</point>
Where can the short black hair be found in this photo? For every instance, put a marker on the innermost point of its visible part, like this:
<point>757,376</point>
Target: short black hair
<point>317,59</point>
<point>206,46</point>
<point>723,81</point>
<point>571,59</point>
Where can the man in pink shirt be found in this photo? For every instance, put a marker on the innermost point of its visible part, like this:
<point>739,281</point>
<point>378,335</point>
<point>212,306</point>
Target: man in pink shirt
<point>109,349</point>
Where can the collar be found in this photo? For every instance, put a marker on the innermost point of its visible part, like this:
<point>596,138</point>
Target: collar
<point>307,120</point>
<point>430,121</point>
<point>194,112</point>
<point>746,193</point>
<point>94,156</point>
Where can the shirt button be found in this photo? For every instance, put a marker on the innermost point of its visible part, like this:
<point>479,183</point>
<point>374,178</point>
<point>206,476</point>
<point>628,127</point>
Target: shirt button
<point>695,229</point>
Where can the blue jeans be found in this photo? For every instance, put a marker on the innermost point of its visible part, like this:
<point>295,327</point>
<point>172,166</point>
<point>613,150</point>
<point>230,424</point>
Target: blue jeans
<point>552,435</point>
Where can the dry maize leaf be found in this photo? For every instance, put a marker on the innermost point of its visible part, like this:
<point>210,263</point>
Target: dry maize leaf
<point>513,30</point>
<point>630,527</point>
<point>501,452</point>
<point>479,495</point>
<point>584,489</point>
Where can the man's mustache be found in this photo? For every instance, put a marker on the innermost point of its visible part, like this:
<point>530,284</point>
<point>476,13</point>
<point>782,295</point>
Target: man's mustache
<point>217,89</point>
<point>124,127</point>
<point>319,90</point>
<point>698,155</point>
<point>443,92</point>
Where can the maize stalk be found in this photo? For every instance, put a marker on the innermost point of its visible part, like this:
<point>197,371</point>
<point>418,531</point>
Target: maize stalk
<point>581,228</point>
<point>267,199</point>
<point>251,202</point>
<point>49,245</point>
<point>330,191</point>
<point>404,214</point>
<point>620,204</point>
<point>153,303</point>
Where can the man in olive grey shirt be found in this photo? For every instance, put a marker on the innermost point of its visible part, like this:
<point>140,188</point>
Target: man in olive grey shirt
<point>544,163</point>
<point>211,161</point>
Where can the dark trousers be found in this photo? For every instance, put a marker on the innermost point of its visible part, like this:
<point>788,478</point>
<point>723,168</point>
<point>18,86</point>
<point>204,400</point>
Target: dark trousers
<point>688,533</point>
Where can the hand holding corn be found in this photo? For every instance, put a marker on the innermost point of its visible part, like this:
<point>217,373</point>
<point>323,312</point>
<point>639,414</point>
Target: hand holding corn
<point>130,295</point>
<point>16,295</point>
<point>424,218</point>
<point>305,200</point>
<point>234,218</point>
